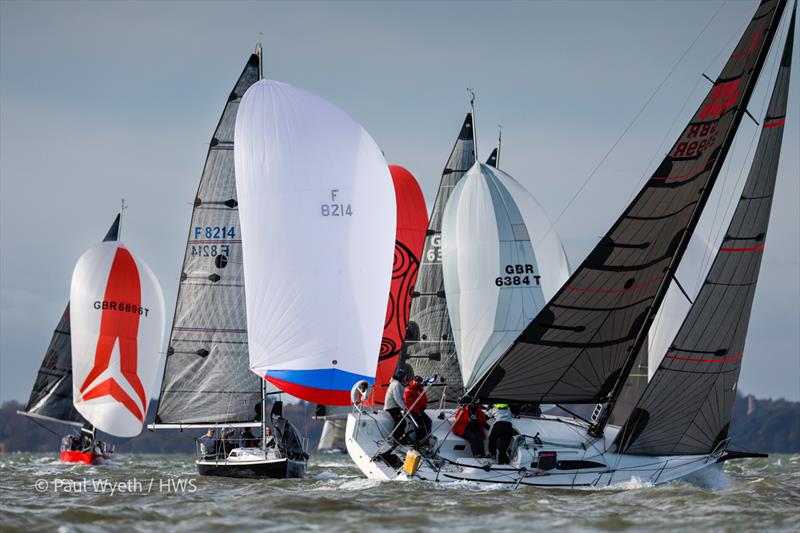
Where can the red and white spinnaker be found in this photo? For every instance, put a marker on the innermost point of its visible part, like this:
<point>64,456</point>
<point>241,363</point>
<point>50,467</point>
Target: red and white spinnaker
<point>117,312</point>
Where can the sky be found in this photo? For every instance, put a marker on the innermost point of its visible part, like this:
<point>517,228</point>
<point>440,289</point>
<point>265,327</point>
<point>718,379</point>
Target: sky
<point>107,100</point>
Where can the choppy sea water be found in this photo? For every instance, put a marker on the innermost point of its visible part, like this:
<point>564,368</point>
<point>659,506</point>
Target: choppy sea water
<point>163,492</point>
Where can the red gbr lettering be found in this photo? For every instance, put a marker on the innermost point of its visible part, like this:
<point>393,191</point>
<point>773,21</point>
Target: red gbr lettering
<point>702,136</point>
<point>723,96</point>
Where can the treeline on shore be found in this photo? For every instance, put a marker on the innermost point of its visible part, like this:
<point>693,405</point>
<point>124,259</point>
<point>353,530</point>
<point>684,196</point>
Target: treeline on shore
<point>771,426</point>
<point>23,434</point>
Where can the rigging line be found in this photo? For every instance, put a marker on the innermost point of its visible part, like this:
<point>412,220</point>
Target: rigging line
<point>635,118</point>
<point>42,426</point>
<point>678,283</point>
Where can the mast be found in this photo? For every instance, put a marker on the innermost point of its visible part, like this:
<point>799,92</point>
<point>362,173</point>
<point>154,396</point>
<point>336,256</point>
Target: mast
<point>260,61</point>
<point>474,135</point>
<point>264,414</point>
<point>122,209</point>
<point>739,111</point>
<point>499,145</point>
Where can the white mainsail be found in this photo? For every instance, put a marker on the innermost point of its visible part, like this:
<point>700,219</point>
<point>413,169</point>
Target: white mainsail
<point>502,261</point>
<point>318,216</point>
<point>117,314</point>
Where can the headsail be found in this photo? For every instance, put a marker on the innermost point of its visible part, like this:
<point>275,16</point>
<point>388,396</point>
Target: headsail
<point>428,347</point>
<point>207,378</point>
<point>582,345</point>
<point>117,313</point>
<point>412,221</point>
<point>502,261</point>
<point>318,215</point>
<point>686,408</point>
<point>51,397</point>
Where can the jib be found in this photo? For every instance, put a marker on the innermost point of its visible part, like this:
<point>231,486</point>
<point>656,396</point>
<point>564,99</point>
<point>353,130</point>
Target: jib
<point>519,269</point>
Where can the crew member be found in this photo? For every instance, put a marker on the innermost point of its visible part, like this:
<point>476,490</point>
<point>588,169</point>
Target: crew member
<point>502,433</point>
<point>269,438</point>
<point>247,439</point>
<point>394,404</point>
<point>416,400</point>
<point>470,424</point>
<point>208,445</point>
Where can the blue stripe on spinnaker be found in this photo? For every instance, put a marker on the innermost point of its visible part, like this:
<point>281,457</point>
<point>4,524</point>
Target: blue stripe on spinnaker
<point>323,378</point>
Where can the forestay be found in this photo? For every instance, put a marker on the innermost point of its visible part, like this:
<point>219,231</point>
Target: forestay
<point>502,261</point>
<point>318,216</point>
<point>578,349</point>
<point>51,396</point>
<point>117,313</point>
<point>207,378</point>
<point>686,408</point>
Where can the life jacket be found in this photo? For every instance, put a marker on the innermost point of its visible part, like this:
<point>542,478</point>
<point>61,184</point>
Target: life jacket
<point>463,419</point>
<point>415,398</point>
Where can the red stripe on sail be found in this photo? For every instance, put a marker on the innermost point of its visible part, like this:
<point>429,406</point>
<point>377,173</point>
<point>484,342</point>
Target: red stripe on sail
<point>312,394</point>
<point>116,325</point>
<point>111,388</point>
<point>774,124</point>
<point>728,359</point>
<point>753,249</point>
<point>412,221</point>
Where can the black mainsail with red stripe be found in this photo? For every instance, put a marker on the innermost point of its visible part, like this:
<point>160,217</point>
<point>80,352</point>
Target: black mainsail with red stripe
<point>583,344</point>
<point>428,347</point>
<point>686,408</point>
<point>207,377</point>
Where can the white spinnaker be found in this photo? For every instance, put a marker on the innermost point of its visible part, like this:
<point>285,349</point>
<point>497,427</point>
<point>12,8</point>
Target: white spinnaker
<point>318,217</point>
<point>117,323</point>
<point>501,260</point>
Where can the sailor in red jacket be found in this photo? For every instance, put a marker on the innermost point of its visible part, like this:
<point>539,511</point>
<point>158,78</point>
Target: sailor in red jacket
<point>416,400</point>
<point>469,423</point>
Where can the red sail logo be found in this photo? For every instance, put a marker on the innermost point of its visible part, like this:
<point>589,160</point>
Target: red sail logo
<point>117,326</point>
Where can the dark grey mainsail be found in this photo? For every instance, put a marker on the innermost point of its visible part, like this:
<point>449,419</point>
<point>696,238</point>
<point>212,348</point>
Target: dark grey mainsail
<point>582,345</point>
<point>207,377</point>
<point>51,397</point>
<point>428,347</point>
<point>686,408</point>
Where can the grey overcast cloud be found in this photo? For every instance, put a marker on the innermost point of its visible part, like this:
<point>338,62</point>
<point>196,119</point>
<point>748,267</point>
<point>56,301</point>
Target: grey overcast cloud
<point>102,101</point>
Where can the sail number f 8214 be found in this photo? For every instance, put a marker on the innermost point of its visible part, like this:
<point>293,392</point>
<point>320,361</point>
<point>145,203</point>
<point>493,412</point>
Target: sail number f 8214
<point>518,275</point>
<point>334,209</point>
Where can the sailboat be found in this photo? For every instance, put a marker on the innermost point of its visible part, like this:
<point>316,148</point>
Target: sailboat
<point>583,344</point>
<point>207,381</point>
<point>51,396</point>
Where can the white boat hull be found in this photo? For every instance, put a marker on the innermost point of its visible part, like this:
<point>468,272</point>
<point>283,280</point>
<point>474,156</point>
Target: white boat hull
<point>581,460</point>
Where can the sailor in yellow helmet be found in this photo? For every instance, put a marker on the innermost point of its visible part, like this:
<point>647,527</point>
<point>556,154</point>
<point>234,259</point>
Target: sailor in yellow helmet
<point>502,433</point>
